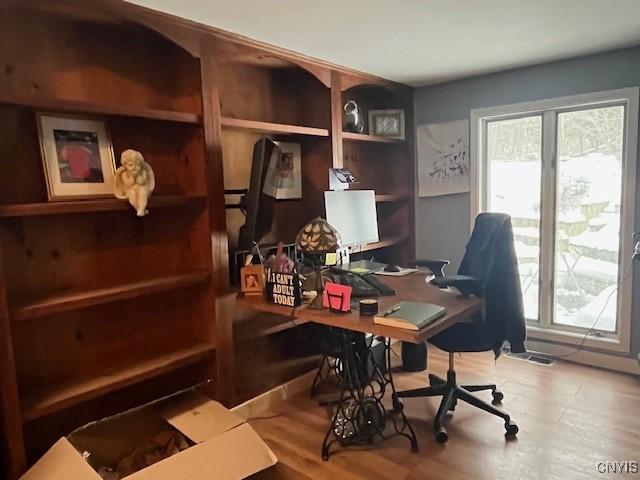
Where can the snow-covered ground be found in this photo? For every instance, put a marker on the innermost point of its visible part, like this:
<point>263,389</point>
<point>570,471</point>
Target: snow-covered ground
<point>587,250</point>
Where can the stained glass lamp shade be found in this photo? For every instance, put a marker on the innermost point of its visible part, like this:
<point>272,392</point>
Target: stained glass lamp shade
<point>316,239</point>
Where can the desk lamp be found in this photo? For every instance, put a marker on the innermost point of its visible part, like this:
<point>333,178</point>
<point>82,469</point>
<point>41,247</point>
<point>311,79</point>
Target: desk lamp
<point>315,240</point>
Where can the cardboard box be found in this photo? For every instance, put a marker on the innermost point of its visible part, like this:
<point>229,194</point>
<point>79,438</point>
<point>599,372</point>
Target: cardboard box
<point>224,446</point>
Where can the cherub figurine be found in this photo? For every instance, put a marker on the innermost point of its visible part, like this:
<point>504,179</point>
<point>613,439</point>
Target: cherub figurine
<point>134,181</point>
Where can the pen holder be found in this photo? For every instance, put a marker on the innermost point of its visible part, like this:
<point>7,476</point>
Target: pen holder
<point>337,303</point>
<point>337,297</point>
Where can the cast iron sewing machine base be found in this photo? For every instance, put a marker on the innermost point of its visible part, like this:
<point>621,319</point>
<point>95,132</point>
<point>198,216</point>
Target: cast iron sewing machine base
<point>360,418</point>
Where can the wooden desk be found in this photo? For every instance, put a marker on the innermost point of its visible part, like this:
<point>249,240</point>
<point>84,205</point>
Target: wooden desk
<point>410,287</point>
<point>360,404</point>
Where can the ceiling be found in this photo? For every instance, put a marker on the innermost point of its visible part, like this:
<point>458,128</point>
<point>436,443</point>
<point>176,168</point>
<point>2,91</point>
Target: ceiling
<point>423,42</point>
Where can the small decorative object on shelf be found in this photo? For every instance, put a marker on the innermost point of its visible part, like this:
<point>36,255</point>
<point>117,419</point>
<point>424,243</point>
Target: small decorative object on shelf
<point>387,123</point>
<point>353,120</point>
<point>134,181</point>
<point>252,280</point>
<point>315,240</point>
<point>77,156</point>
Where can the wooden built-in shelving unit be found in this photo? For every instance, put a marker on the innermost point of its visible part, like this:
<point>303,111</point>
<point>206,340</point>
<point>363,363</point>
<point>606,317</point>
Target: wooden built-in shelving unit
<point>97,304</point>
<point>93,299</point>
<point>392,197</point>
<point>386,242</point>
<point>362,137</point>
<point>265,325</point>
<point>89,107</point>
<point>272,128</point>
<point>73,300</point>
<point>70,393</point>
<point>89,206</point>
<point>385,165</point>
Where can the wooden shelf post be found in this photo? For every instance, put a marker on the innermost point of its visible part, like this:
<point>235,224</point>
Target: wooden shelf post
<point>223,391</point>
<point>336,120</point>
<point>11,417</point>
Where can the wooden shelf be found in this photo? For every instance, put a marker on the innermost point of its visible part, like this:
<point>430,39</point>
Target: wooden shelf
<point>363,137</point>
<point>56,398</point>
<point>384,243</point>
<point>67,301</point>
<point>392,198</point>
<point>74,106</point>
<point>275,128</point>
<point>85,206</point>
<point>263,325</point>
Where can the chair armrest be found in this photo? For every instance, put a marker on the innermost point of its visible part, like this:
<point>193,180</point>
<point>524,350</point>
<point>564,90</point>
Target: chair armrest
<point>466,284</point>
<point>436,266</point>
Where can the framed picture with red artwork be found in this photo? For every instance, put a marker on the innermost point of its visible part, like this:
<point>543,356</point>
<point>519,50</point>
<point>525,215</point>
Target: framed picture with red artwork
<point>77,156</point>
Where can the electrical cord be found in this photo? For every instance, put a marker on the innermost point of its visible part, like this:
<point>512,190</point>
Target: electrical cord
<point>606,303</point>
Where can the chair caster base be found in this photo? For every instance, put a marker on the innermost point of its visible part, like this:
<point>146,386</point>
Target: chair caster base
<point>441,435</point>
<point>498,396</point>
<point>511,429</point>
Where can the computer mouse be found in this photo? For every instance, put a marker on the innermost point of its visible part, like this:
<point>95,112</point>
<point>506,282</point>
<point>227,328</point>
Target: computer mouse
<point>392,268</point>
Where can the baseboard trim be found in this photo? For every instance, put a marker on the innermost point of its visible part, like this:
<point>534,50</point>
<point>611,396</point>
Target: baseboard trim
<point>257,405</point>
<point>594,359</point>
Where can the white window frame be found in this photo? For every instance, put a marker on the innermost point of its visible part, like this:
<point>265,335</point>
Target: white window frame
<point>549,109</point>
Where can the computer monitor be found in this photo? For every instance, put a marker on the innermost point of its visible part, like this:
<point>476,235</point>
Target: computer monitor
<point>260,201</point>
<point>353,214</point>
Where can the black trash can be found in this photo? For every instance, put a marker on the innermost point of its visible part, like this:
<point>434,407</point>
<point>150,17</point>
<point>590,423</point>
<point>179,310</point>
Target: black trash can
<point>414,356</point>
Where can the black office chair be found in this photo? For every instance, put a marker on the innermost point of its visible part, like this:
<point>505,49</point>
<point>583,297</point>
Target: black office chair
<point>489,269</point>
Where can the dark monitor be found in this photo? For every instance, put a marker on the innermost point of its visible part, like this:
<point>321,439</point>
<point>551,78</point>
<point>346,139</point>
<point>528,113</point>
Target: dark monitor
<point>259,202</point>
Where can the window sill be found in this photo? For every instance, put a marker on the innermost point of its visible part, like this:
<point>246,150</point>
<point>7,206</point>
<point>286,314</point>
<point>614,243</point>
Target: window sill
<point>612,343</point>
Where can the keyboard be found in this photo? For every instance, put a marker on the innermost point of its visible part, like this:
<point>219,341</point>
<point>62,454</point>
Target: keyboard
<point>363,286</point>
<point>384,289</point>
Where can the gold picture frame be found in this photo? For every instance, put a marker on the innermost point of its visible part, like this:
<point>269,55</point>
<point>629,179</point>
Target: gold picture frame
<point>77,156</point>
<point>252,280</point>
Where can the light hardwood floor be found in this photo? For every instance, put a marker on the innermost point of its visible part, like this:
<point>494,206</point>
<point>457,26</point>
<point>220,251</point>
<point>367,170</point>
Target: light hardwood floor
<point>570,417</point>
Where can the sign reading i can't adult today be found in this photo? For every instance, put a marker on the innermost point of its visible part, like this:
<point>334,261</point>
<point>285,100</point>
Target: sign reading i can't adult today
<point>284,289</point>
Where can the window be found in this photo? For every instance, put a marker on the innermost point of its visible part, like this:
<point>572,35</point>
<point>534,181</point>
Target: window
<point>564,169</point>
